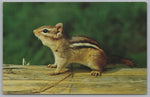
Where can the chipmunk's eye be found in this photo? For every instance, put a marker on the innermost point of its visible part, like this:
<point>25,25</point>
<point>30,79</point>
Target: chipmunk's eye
<point>45,31</point>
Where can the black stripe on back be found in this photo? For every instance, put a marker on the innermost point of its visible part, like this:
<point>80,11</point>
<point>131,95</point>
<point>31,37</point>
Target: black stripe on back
<point>85,41</point>
<point>80,47</point>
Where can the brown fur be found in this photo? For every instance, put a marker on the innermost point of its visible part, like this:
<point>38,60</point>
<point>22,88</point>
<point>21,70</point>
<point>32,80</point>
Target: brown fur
<point>78,49</point>
<point>52,37</point>
<point>128,62</point>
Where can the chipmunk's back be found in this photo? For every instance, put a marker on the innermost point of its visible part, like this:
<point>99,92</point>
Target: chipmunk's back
<point>84,41</point>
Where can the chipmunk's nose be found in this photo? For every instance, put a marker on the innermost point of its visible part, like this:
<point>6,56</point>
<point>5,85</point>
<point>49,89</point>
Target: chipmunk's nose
<point>34,31</point>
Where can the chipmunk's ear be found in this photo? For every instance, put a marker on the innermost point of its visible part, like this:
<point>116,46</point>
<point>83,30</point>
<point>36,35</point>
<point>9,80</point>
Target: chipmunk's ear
<point>59,27</point>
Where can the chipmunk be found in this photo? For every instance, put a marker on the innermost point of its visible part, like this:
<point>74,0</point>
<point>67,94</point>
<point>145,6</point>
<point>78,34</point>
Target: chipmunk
<point>77,49</point>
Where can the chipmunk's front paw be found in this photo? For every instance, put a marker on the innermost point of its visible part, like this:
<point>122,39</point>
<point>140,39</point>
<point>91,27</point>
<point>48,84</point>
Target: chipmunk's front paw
<point>96,73</point>
<point>52,66</point>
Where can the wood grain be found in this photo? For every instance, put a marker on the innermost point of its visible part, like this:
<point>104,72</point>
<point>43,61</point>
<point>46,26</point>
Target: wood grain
<point>18,79</point>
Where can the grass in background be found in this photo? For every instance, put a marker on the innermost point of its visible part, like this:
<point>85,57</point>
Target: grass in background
<point>120,27</point>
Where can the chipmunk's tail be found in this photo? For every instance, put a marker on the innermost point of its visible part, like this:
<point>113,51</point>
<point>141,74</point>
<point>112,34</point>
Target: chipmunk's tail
<point>120,60</point>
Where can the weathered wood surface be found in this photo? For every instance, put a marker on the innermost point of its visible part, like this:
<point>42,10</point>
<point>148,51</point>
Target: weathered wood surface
<point>19,79</point>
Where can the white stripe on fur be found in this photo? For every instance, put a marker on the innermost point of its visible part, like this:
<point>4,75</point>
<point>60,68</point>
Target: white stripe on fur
<point>84,44</point>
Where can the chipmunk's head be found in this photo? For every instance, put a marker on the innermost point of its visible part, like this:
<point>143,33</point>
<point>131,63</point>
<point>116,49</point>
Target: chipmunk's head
<point>49,32</point>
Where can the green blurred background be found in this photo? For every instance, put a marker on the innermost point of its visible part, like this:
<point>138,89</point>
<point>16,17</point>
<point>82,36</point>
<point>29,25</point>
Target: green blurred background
<point>120,27</point>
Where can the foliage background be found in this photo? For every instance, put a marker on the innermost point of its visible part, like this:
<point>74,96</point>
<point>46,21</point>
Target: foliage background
<point>120,27</point>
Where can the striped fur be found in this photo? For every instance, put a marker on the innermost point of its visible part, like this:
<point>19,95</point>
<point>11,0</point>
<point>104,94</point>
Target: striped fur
<point>84,45</point>
<point>79,42</point>
<point>63,47</point>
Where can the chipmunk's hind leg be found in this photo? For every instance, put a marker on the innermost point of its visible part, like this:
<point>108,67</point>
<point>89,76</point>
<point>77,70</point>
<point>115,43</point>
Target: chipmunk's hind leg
<point>97,72</point>
<point>97,69</point>
<point>97,63</point>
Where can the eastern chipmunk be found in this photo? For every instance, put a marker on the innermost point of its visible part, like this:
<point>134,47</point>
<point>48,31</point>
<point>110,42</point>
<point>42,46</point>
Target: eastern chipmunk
<point>77,49</point>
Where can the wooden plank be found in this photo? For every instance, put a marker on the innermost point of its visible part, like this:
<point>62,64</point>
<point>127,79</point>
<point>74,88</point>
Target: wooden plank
<point>36,80</point>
